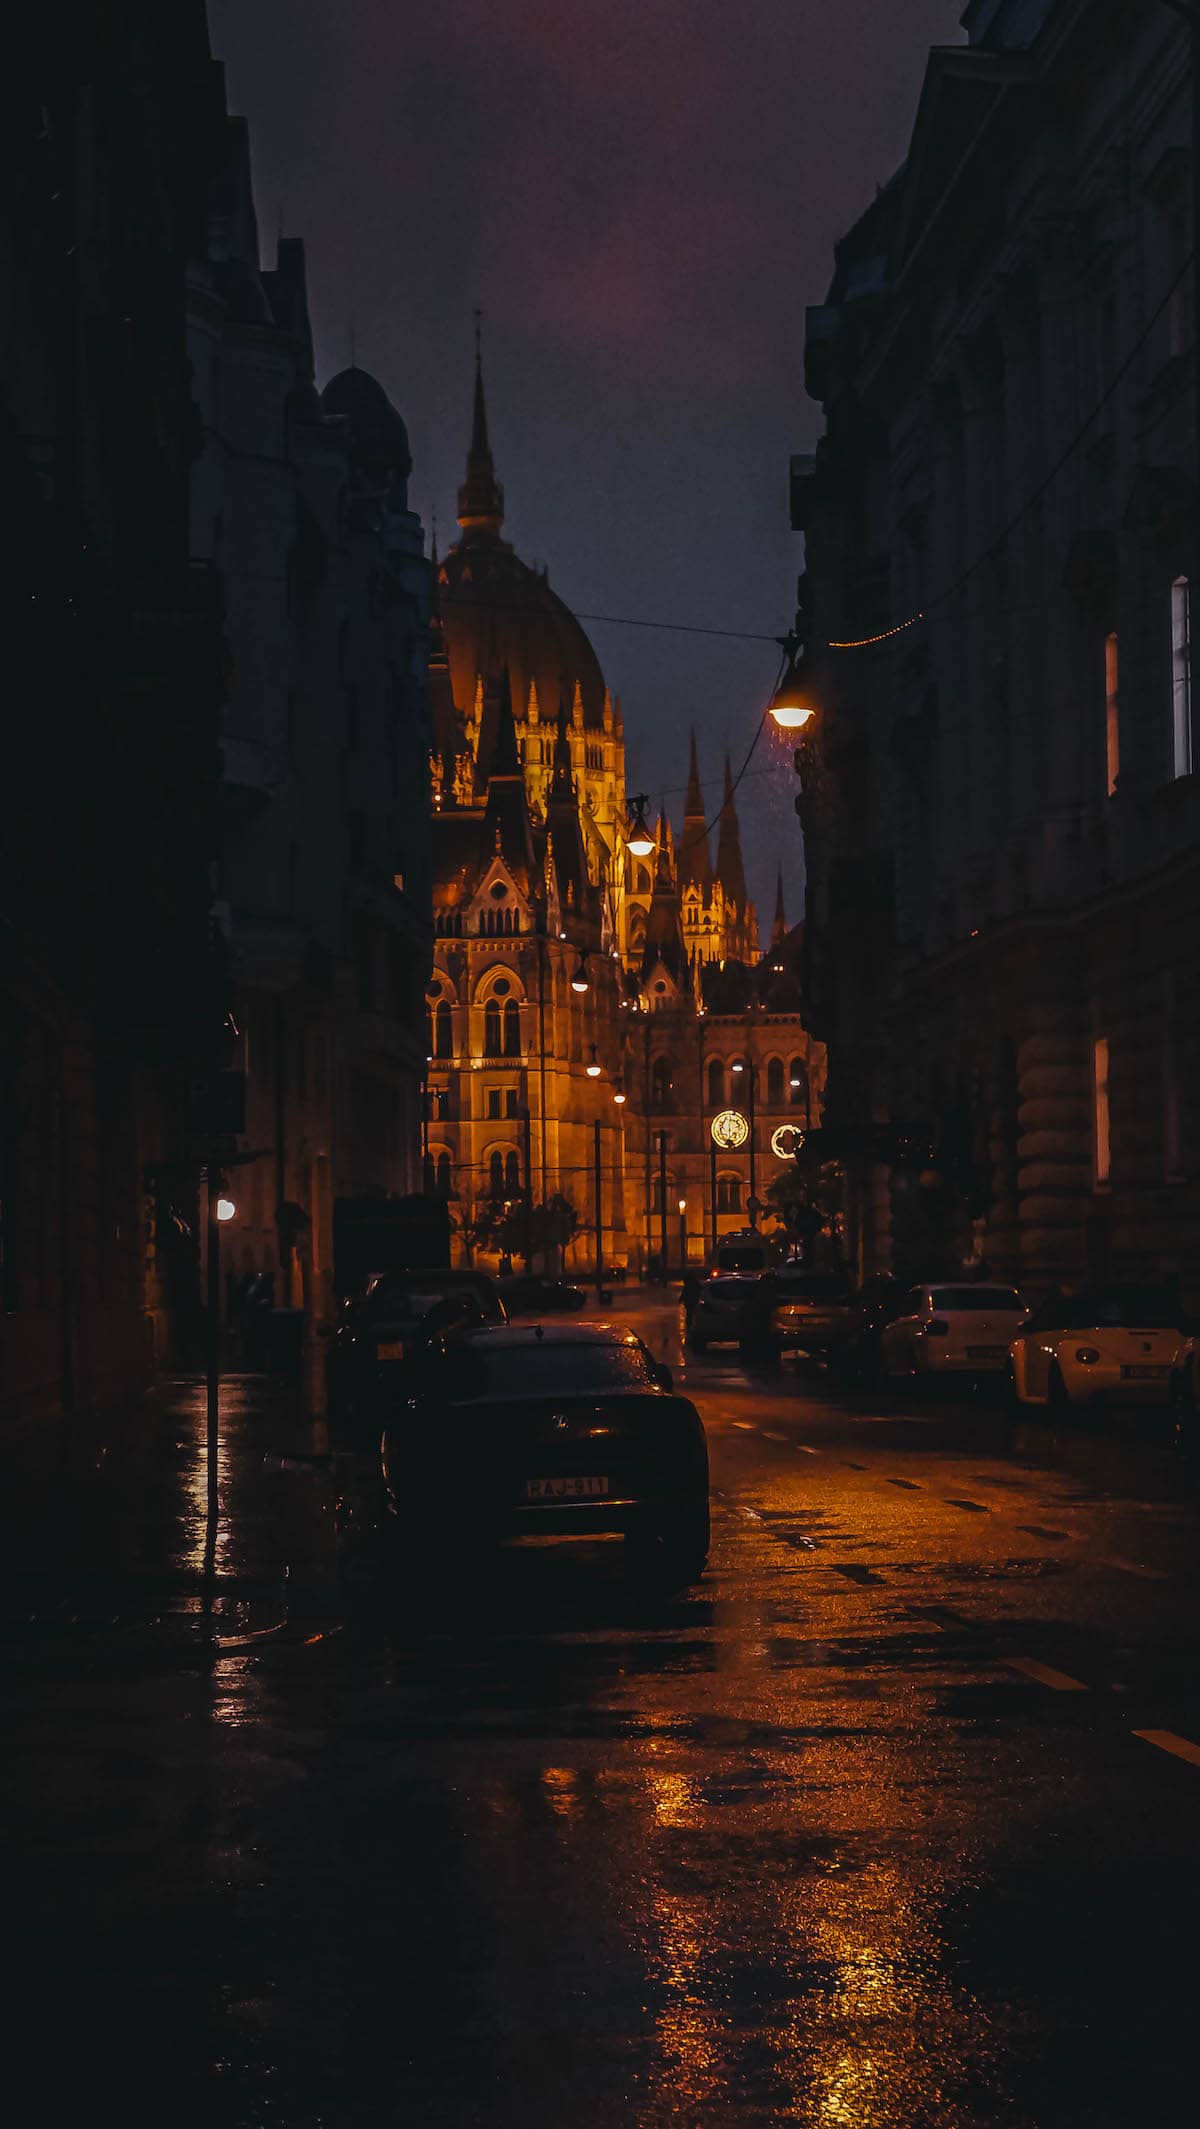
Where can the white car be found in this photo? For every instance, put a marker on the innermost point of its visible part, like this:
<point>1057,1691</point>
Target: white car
<point>947,1329</point>
<point>1110,1344</point>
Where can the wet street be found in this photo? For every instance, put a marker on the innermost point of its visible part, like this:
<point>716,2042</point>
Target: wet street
<point>892,1820</point>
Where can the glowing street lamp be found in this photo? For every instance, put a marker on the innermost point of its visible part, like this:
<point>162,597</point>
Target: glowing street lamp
<point>787,705</point>
<point>641,842</point>
<point>593,1069</point>
<point>226,1209</point>
<point>579,981</point>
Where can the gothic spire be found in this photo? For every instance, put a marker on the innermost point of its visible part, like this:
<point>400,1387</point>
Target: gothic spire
<point>730,870</point>
<point>481,498</point>
<point>695,858</point>
<point>779,928</point>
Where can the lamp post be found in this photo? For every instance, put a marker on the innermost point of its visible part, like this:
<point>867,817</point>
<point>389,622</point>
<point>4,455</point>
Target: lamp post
<point>599,1186</point>
<point>683,1238</point>
<point>749,1069</point>
<point>220,1209</point>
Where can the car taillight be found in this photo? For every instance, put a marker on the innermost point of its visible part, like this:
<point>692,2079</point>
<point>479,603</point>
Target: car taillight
<point>936,1329</point>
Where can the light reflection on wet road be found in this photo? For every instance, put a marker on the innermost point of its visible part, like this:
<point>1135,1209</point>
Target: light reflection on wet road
<point>826,1840</point>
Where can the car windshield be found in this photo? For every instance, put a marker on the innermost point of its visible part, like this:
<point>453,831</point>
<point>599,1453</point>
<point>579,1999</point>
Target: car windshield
<point>740,1260</point>
<point>543,1370</point>
<point>1138,1308</point>
<point>976,1298</point>
<point>408,1300</point>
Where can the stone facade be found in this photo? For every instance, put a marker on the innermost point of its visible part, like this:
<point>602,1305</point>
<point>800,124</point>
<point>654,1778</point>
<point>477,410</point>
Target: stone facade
<point>1001,811</point>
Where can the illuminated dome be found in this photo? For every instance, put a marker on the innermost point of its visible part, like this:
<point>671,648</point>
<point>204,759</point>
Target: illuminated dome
<point>499,613</point>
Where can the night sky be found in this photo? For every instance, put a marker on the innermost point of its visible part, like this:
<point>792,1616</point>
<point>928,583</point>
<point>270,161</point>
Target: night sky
<point>643,195</point>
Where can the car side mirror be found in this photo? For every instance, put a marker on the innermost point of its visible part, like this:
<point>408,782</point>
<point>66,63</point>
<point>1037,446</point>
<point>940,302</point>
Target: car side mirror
<point>661,1375</point>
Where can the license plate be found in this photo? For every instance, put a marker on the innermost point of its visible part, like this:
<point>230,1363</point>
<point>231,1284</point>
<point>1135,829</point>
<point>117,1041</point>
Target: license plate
<point>565,1489</point>
<point>986,1352</point>
<point>1144,1374</point>
<point>391,1349</point>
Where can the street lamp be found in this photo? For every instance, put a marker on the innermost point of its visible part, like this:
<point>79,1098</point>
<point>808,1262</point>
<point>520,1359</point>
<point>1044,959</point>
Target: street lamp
<point>789,705</point>
<point>751,1078</point>
<point>683,1238</point>
<point>225,1209</point>
<point>619,1095</point>
<point>641,842</point>
<point>579,981</point>
<point>593,1069</point>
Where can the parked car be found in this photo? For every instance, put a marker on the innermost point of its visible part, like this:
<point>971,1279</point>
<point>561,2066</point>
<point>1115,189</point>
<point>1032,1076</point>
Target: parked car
<point>719,1316</point>
<point>858,1353</point>
<point>383,1332</point>
<point>810,1310</point>
<point>513,1430</point>
<point>531,1295</point>
<point>744,1250</point>
<point>948,1329</point>
<point>1108,1344</point>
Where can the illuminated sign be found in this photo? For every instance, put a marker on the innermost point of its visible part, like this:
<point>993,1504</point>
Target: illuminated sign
<point>730,1130</point>
<point>787,1141</point>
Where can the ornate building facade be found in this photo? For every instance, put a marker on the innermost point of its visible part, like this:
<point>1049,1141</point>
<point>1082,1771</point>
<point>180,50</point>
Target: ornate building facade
<point>584,1000</point>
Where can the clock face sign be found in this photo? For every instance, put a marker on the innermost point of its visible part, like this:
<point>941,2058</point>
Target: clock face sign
<point>730,1130</point>
<point>787,1141</point>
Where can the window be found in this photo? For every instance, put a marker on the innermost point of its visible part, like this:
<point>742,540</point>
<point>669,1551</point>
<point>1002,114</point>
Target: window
<point>1100,1100</point>
<point>1112,738</point>
<point>443,1030</point>
<point>437,1175</point>
<point>729,1193</point>
<point>493,1101</point>
<point>661,1084</point>
<point>512,1175</point>
<point>775,1083</point>
<point>491,1028</point>
<point>1181,677</point>
<point>496,1175</point>
<point>512,1105</point>
<point>798,1083</point>
<point>438,1107</point>
<point>512,1028</point>
<point>716,1083</point>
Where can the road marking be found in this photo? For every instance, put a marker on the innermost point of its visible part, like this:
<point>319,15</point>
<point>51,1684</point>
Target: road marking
<point>975,1507</point>
<point>1166,1740</point>
<point>806,1449</point>
<point>1133,1567</point>
<point>769,1435</point>
<point>856,1573</point>
<point>746,1426</point>
<point>1044,1675</point>
<point>909,1484</point>
<point>1041,1530</point>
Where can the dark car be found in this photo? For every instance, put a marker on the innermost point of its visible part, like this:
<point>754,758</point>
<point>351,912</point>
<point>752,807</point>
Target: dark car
<point>532,1296</point>
<point>383,1333</point>
<point>810,1310</point>
<point>725,1308</point>
<point>518,1431</point>
<point>858,1353</point>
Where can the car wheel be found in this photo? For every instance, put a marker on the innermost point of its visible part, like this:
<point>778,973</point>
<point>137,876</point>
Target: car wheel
<point>674,1549</point>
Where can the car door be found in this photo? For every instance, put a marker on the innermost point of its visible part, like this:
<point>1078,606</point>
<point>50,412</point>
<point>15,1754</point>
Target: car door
<point>897,1340</point>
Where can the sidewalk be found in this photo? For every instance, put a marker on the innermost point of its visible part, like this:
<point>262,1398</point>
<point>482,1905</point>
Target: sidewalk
<point>105,1529</point>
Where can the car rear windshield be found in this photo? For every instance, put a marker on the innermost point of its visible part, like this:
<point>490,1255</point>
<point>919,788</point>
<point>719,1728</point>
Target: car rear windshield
<point>1141,1308</point>
<point>812,1286</point>
<point>740,1260</point>
<point>976,1298</point>
<point>543,1370</point>
<point>408,1299</point>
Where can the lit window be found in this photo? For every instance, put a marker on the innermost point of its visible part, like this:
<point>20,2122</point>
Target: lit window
<point>1112,732</point>
<point>1181,678</point>
<point>1100,1100</point>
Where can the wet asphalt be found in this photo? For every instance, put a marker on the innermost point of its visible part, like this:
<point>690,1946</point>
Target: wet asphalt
<point>894,1819</point>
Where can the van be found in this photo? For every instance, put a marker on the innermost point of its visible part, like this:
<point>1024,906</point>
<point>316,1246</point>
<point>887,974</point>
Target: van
<point>745,1250</point>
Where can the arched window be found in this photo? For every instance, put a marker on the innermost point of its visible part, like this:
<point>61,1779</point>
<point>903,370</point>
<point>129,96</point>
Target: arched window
<point>512,1175</point>
<point>643,880</point>
<point>496,1176</point>
<point>716,1083</point>
<point>443,1029</point>
<point>798,1083</point>
<point>662,1082</point>
<point>444,1181</point>
<point>512,1028</point>
<point>775,1083</point>
<point>430,1176</point>
<point>429,1032</point>
<point>491,1028</point>
<point>729,1193</point>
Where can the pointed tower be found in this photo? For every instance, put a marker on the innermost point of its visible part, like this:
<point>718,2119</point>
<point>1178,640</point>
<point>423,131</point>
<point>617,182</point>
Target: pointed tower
<point>481,498</point>
<point>741,936</point>
<point>695,858</point>
<point>507,827</point>
<point>779,927</point>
